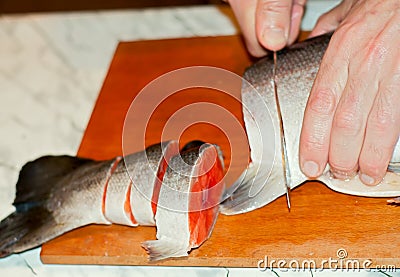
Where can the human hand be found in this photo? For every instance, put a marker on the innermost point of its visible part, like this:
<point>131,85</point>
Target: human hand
<point>268,24</point>
<point>352,118</point>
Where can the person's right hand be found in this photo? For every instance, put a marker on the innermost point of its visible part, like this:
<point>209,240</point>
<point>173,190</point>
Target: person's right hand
<point>268,24</point>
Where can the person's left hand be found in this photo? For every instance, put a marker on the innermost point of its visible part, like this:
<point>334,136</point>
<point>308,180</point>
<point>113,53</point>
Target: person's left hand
<point>268,24</point>
<point>352,118</point>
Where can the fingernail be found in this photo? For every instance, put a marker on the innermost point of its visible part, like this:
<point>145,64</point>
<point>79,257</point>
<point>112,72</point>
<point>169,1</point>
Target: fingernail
<point>368,180</point>
<point>275,38</point>
<point>310,169</point>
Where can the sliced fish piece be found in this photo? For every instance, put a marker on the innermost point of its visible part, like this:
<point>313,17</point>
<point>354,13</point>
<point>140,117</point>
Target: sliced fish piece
<point>170,150</point>
<point>263,180</point>
<point>118,194</point>
<point>138,189</point>
<point>188,204</point>
<point>146,170</point>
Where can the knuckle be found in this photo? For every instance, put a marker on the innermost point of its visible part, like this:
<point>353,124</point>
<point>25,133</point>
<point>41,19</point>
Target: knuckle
<point>300,2</point>
<point>341,34</point>
<point>348,122</point>
<point>322,102</point>
<point>375,159</point>
<point>375,52</point>
<point>349,116</point>
<point>313,144</point>
<point>356,83</point>
<point>381,118</point>
<point>379,124</point>
<point>275,6</point>
<point>342,39</point>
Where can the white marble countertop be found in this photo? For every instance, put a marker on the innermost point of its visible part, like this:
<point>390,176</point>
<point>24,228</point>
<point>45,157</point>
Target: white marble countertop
<point>51,69</point>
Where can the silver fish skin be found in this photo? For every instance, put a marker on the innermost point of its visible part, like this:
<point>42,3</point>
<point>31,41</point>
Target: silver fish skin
<point>143,168</point>
<point>56,194</point>
<point>263,180</point>
<point>186,214</point>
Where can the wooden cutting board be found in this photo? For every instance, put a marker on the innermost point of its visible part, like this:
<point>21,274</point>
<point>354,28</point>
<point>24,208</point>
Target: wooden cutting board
<point>321,225</point>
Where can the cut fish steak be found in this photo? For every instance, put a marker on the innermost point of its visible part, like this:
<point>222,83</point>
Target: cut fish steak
<point>188,204</point>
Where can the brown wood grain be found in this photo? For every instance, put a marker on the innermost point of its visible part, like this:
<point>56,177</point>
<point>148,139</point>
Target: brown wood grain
<point>320,223</point>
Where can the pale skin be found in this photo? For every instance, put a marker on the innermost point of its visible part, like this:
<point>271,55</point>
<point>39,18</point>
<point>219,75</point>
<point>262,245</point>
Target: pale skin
<point>352,118</point>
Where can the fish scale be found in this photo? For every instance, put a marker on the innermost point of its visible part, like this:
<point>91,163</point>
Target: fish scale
<point>85,190</point>
<point>117,198</point>
<point>143,170</point>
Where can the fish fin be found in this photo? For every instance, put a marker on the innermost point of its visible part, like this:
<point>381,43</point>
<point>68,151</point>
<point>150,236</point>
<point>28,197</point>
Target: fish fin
<point>255,188</point>
<point>164,248</point>
<point>21,231</point>
<point>36,179</point>
<point>32,223</point>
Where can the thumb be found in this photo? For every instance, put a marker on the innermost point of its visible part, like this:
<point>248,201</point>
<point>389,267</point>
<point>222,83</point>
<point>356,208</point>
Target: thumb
<point>273,23</point>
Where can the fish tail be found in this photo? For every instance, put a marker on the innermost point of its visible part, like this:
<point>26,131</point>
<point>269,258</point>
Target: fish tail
<point>22,230</point>
<point>164,248</point>
<point>33,222</point>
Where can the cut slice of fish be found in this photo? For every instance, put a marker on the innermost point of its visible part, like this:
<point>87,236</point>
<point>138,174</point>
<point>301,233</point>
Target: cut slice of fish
<point>146,172</point>
<point>188,204</point>
<point>117,197</point>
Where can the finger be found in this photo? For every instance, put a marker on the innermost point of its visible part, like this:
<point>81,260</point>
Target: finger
<point>383,128</point>
<point>297,15</point>
<point>273,23</point>
<point>319,112</point>
<point>348,127</point>
<point>245,12</point>
<point>330,20</point>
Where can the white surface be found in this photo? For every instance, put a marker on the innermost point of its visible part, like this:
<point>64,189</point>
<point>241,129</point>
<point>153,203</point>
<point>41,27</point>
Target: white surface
<point>51,69</point>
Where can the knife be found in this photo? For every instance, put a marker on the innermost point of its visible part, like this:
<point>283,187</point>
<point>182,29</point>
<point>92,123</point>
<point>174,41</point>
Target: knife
<point>285,162</point>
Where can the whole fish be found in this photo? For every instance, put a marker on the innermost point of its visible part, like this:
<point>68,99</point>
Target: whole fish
<point>263,180</point>
<point>56,194</point>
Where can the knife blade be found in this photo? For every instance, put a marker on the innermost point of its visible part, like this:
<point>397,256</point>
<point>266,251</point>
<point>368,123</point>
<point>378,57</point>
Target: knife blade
<point>285,161</point>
